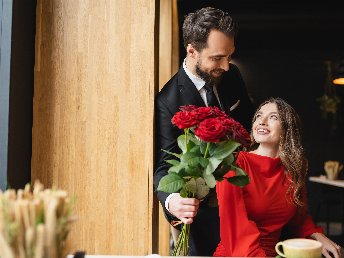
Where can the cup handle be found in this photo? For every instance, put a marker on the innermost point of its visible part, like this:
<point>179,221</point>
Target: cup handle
<point>277,248</point>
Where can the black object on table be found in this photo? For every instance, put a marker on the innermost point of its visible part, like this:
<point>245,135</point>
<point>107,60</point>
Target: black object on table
<point>79,254</point>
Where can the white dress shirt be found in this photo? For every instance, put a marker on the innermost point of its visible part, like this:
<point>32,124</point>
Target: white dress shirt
<point>199,83</point>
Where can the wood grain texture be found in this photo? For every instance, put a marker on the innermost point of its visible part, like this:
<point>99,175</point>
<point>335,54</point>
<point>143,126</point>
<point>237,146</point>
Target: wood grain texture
<point>168,66</point>
<point>168,41</point>
<point>93,118</point>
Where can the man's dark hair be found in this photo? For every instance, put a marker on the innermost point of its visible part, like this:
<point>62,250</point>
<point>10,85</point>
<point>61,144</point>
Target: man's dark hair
<point>197,26</point>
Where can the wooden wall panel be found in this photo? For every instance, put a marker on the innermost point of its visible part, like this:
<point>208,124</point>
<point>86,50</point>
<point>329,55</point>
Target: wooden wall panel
<point>95,80</point>
<point>168,41</point>
<point>168,66</point>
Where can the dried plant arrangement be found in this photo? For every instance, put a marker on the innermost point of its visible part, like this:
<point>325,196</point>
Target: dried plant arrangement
<point>34,222</point>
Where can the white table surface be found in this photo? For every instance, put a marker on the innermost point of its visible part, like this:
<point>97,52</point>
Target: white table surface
<point>324,180</point>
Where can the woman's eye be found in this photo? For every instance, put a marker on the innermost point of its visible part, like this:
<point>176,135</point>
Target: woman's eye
<point>274,117</point>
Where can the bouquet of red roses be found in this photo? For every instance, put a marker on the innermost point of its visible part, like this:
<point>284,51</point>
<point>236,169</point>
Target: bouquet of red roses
<point>209,143</point>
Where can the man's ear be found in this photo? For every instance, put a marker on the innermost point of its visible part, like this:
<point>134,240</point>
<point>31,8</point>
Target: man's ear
<point>191,51</point>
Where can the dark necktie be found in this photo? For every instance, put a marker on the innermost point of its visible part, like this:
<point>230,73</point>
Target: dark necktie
<point>211,98</point>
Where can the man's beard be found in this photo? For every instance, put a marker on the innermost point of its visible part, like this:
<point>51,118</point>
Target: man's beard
<point>207,77</point>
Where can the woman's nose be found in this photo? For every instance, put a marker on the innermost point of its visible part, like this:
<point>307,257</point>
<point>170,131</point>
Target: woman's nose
<point>263,121</point>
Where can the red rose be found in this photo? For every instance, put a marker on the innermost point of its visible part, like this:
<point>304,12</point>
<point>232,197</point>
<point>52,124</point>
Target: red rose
<point>229,123</point>
<point>240,134</point>
<point>211,130</point>
<point>219,113</point>
<point>188,108</point>
<point>204,113</point>
<point>184,119</point>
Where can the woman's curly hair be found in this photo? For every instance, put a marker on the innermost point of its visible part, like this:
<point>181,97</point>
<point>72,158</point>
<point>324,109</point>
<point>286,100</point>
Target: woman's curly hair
<point>291,151</point>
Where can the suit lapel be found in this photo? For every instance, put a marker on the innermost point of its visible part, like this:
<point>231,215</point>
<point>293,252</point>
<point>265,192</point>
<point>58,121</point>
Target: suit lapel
<point>188,90</point>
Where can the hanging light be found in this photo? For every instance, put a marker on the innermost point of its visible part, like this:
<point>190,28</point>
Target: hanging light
<point>338,73</point>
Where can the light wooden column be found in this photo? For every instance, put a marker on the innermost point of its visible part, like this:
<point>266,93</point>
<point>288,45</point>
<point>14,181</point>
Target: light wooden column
<point>95,79</point>
<point>168,41</point>
<point>168,66</point>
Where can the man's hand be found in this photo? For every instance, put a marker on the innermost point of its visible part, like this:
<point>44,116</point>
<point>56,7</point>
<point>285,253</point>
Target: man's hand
<point>184,209</point>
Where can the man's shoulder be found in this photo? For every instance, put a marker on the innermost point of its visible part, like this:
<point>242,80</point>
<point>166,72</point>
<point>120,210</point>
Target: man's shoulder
<point>171,87</point>
<point>233,71</point>
<point>232,81</point>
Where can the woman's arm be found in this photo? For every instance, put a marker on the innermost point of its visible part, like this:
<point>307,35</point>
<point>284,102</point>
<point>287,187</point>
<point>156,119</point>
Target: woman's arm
<point>239,235</point>
<point>302,225</point>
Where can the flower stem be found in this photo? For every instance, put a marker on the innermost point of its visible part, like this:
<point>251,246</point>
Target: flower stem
<point>186,132</point>
<point>182,245</point>
<point>206,150</point>
<point>181,248</point>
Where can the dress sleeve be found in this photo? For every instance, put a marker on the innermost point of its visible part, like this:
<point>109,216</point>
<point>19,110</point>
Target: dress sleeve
<point>302,224</point>
<point>239,235</point>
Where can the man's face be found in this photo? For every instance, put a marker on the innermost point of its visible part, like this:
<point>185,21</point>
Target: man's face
<point>213,60</point>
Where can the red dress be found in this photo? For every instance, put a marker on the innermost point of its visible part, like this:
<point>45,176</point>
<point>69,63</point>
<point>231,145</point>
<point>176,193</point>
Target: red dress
<point>252,217</point>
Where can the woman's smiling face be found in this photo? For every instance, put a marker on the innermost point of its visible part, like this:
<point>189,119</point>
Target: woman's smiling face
<point>267,128</point>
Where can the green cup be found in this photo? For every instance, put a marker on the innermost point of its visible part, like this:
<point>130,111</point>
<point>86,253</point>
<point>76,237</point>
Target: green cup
<point>299,248</point>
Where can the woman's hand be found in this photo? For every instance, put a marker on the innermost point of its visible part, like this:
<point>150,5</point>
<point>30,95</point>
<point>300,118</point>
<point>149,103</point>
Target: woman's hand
<point>328,246</point>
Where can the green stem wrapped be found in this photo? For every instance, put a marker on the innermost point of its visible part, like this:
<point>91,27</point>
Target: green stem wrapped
<point>182,246</point>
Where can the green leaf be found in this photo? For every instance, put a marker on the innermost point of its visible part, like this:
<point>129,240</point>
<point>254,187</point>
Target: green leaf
<point>191,186</point>
<point>209,179</point>
<point>171,183</point>
<point>212,148</point>
<point>202,188</point>
<point>203,162</point>
<point>238,171</point>
<point>203,147</point>
<point>224,149</point>
<point>181,142</point>
<point>173,162</point>
<point>197,162</point>
<point>221,171</point>
<point>196,149</point>
<point>213,164</point>
<point>186,156</point>
<point>172,153</point>
<point>229,160</point>
<point>176,169</point>
<point>184,193</point>
<point>192,171</point>
<point>239,180</point>
<point>191,145</point>
<point>195,140</point>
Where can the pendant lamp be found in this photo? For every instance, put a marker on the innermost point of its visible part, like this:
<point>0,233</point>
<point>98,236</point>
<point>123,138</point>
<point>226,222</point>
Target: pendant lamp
<point>338,73</point>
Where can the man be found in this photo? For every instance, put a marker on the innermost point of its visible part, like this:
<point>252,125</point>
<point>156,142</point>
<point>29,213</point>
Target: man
<point>206,78</point>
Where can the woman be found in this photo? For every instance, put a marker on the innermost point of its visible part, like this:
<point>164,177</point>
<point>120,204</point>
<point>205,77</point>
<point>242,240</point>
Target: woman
<point>252,217</point>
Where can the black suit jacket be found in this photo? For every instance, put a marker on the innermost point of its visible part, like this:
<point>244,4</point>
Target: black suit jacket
<point>180,91</point>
